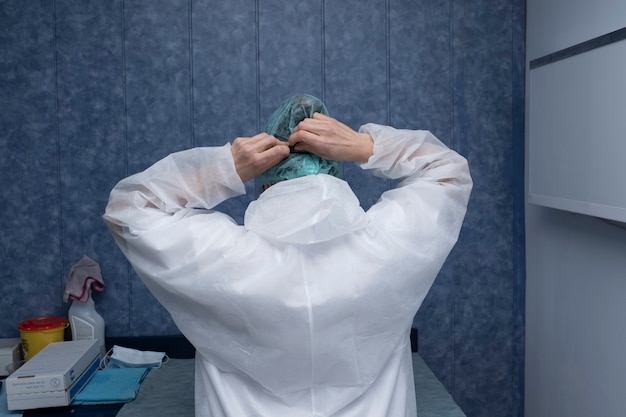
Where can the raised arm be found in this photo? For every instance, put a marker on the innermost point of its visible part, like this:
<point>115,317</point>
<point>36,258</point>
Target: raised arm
<point>430,200</point>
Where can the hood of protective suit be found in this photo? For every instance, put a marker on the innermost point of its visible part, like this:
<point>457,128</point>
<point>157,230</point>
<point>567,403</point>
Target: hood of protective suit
<point>305,210</point>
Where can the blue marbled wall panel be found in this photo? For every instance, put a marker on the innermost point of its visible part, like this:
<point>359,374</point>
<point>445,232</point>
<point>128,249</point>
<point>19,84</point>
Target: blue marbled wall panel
<point>290,51</point>
<point>518,24</point>
<point>225,71</point>
<point>93,91</point>
<point>158,79</point>
<point>420,84</point>
<point>30,210</point>
<point>159,113</point>
<point>356,60</point>
<point>484,262</point>
<point>421,66</point>
<point>91,136</point>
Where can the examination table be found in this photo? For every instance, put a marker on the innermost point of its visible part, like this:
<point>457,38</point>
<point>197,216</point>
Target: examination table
<point>168,391</point>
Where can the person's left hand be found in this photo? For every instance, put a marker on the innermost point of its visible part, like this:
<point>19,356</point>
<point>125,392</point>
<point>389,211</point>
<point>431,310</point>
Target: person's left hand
<point>253,156</point>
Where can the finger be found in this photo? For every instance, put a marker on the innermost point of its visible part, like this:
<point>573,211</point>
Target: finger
<point>246,150</point>
<point>320,116</point>
<point>305,141</point>
<point>263,139</point>
<point>298,139</point>
<point>276,153</point>
<point>310,124</point>
<point>271,157</point>
<point>261,142</point>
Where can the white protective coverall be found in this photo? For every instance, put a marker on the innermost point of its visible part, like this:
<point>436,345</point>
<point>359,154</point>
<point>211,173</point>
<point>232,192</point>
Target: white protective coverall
<point>306,309</point>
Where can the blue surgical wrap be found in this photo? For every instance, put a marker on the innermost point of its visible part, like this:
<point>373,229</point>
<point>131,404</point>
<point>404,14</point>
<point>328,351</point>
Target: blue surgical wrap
<point>281,125</point>
<point>110,386</point>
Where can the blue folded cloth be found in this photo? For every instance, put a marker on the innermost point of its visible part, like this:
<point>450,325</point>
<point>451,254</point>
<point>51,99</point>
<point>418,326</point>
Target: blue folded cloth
<point>112,385</point>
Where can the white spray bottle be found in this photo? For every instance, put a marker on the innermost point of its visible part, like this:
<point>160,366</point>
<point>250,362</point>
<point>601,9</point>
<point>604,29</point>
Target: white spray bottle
<point>86,323</point>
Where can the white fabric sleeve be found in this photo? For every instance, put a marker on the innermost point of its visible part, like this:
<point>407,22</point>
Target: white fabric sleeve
<point>430,201</point>
<point>169,189</point>
<point>400,153</point>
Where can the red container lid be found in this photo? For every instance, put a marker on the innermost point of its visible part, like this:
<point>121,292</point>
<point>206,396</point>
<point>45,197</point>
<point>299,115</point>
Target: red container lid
<point>42,323</point>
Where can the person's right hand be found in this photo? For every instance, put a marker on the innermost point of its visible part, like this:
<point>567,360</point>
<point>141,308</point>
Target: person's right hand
<point>253,156</point>
<point>331,139</point>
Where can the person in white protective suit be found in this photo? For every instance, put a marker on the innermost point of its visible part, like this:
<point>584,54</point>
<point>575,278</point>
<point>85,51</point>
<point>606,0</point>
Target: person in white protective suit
<point>304,310</point>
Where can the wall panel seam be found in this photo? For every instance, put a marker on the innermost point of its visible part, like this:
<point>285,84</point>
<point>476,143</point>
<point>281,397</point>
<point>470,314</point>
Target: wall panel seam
<point>388,62</point>
<point>519,262</point>
<point>191,80</point>
<point>126,159</point>
<point>258,65</point>
<point>452,71</point>
<point>323,49</point>
<point>58,145</point>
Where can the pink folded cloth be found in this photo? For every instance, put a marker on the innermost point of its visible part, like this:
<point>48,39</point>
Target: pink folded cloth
<point>84,276</point>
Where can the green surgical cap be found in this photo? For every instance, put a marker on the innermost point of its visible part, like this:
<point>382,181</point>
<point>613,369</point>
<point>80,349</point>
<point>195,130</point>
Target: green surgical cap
<point>281,124</point>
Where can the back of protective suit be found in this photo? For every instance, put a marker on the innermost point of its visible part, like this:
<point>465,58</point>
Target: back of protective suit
<point>306,309</point>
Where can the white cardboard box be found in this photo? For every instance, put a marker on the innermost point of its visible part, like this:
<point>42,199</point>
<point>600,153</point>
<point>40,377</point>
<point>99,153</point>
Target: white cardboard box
<point>10,352</point>
<point>54,376</point>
